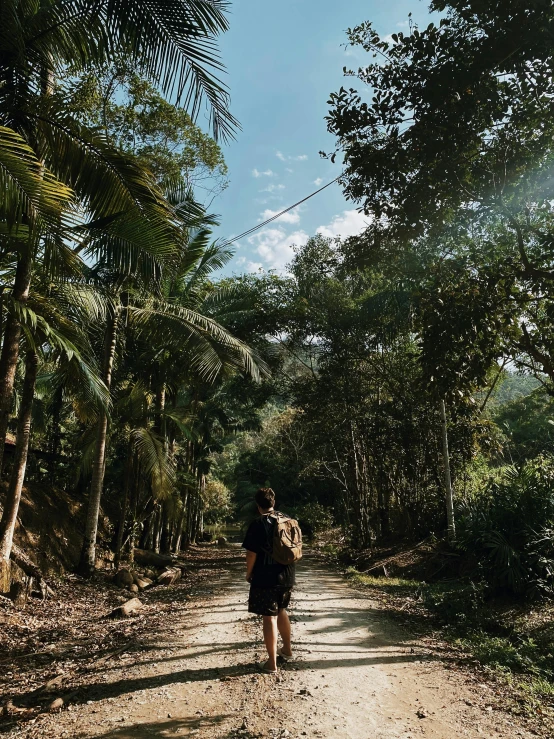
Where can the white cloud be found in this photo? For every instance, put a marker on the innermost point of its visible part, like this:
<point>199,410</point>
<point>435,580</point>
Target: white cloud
<point>318,181</point>
<point>403,24</point>
<point>348,223</point>
<point>254,266</point>
<point>273,188</point>
<point>274,246</point>
<point>292,216</point>
<point>290,171</point>
<point>289,158</point>
<point>266,173</point>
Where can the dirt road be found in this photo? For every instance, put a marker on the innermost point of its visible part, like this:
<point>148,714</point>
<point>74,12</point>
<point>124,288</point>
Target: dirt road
<point>357,676</point>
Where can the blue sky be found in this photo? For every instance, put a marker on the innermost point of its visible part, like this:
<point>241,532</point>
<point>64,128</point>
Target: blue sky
<point>283,59</point>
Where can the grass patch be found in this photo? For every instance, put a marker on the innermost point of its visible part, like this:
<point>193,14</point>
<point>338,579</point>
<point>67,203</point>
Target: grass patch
<point>473,625</point>
<point>330,549</point>
<point>393,584</point>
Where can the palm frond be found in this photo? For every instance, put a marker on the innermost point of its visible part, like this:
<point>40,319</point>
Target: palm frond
<point>133,402</point>
<point>154,461</point>
<point>213,347</point>
<point>26,185</point>
<point>214,257</point>
<point>182,419</point>
<point>173,40</point>
<point>108,182</point>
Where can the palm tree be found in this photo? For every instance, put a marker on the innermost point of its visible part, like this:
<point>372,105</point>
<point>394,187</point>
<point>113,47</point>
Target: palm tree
<point>164,323</point>
<point>170,349</point>
<point>50,324</point>
<point>174,44</point>
<point>117,213</point>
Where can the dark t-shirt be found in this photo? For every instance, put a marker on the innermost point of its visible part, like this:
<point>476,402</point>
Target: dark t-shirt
<point>267,573</point>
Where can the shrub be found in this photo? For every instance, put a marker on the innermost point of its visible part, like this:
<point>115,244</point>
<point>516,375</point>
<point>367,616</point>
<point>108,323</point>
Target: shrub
<point>217,502</point>
<point>455,604</point>
<point>509,529</point>
<point>314,518</point>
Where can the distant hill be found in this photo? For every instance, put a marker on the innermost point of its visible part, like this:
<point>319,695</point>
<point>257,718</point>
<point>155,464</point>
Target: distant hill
<point>511,387</point>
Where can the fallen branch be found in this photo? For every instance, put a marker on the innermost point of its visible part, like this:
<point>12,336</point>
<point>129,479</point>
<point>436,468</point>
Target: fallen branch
<point>110,655</point>
<point>147,558</point>
<point>31,570</point>
<point>169,576</point>
<point>391,559</point>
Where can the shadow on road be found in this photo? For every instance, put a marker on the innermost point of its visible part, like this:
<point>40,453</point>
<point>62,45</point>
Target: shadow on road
<point>340,637</point>
<point>167,728</point>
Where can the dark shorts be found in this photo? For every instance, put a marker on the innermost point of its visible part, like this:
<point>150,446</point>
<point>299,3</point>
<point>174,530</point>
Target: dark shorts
<point>268,601</point>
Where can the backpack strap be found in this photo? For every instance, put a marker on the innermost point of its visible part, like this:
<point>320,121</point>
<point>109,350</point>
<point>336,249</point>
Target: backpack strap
<point>268,549</point>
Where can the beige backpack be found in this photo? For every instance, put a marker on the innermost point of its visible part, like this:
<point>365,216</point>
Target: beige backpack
<point>287,540</point>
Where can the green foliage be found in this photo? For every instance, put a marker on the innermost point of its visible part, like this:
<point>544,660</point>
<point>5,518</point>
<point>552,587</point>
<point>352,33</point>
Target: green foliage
<point>387,584</point>
<point>508,530</point>
<point>527,423</point>
<point>361,435</point>
<point>216,498</point>
<point>445,145</point>
<point>501,653</point>
<point>120,101</point>
<point>313,518</point>
<point>28,190</point>
<point>456,605</point>
<point>448,115</point>
<point>512,387</point>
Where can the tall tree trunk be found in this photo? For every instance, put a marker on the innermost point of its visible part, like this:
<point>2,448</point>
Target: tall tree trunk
<point>135,498</point>
<point>160,407</point>
<point>155,519</point>
<point>147,539</point>
<point>9,516</point>
<point>190,495</point>
<point>199,518</point>
<point>56,435</point>
<point>10,346</point>
<point>361,485</point>
<point>383,499</point>
<point>165,537</point>
<point>88,552</point>
<point>124,506</point>
<point>447,477</point>
<point>179,531</point>
<point>187,525</point>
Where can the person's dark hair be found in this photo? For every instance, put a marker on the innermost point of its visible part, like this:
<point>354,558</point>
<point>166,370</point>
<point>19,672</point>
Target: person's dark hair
<point>265,498</point>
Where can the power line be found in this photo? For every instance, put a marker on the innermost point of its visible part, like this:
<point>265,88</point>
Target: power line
<point>278,215</point>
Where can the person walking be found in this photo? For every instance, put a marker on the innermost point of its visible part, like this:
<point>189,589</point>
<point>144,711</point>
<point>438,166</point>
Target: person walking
<point>271,581</point>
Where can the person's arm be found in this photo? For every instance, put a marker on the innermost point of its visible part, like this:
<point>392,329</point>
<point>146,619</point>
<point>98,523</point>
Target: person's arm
<point>250,561</point>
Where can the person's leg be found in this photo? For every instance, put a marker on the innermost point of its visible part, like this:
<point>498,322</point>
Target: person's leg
<point>283,625</point>
<point>270,640</point>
